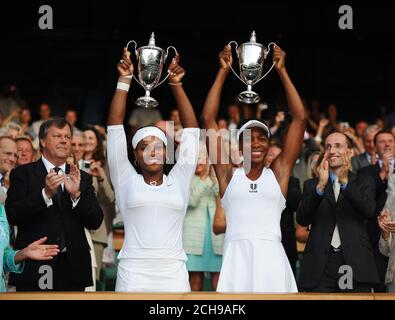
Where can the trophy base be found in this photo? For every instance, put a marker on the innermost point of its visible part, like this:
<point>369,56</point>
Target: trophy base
<point>147,102</point>
<point>248,97</point>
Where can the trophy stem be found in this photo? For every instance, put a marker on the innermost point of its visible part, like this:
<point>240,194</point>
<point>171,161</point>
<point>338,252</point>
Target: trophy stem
<point>249,87</point>
<point>147,101</point>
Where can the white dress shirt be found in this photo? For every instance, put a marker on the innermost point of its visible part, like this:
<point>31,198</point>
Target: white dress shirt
<point>48,165</point>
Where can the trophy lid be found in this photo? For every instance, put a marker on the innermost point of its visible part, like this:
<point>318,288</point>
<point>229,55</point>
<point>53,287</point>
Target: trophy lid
<point>151,45</point>
<point>253,42</point>
<point>151,42</point>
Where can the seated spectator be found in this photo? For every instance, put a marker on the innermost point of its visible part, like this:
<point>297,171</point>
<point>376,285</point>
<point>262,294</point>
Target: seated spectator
<point>25,151</point>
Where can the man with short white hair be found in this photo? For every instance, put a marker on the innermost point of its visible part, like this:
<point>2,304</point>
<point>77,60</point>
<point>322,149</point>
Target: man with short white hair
<point>369,156</point>
<point>8,157</point>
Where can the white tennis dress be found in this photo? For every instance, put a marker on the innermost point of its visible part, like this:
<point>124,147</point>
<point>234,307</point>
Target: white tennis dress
<point>254,259</point>
<point>152,257</point>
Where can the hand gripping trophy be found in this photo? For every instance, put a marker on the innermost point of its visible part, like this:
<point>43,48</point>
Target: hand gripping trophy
<point>251,56</point>
<point>150,61</point>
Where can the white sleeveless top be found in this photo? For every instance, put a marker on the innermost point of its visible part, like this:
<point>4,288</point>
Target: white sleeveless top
<point>254,259</point>
<point>253,208</point>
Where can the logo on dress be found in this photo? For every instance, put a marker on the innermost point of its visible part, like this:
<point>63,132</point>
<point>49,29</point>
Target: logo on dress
<point>253,188</point>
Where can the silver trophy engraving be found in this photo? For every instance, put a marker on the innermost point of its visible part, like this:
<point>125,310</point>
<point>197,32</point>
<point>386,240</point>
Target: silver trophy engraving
<point>150,61</point>
<point>251,56</point>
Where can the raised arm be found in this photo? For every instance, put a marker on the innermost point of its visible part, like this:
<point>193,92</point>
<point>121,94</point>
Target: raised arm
<point>215,145</point>
<point>116,114</point>
<point>283,164</point>
<point>117,150</point>
<point>184,106</point>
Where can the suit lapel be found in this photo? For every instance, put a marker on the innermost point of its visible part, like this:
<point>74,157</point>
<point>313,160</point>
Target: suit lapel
<point>41,171</point>
<point>351,177</point>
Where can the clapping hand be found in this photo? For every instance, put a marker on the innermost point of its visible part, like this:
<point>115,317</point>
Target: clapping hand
<point>385,224</point>
<point>323,174</point>
<point>72,181</point>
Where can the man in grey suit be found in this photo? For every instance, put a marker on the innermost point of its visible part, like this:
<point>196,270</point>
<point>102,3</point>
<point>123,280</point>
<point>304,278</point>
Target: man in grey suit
<point>365,159</point>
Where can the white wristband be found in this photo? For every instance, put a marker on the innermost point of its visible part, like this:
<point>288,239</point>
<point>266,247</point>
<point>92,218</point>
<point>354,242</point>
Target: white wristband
<point>123,86</point>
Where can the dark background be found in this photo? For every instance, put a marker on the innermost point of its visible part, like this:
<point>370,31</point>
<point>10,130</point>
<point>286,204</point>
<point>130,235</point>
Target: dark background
<point>74,64</point>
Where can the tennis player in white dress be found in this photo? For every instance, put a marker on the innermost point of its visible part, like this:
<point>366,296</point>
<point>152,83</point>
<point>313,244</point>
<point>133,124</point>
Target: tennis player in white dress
<point>253,196</point>
<point>152,204</point>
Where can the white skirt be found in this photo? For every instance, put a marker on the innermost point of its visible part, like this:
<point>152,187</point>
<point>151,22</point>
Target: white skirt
<point>152,275</point>
<point>256,265</point>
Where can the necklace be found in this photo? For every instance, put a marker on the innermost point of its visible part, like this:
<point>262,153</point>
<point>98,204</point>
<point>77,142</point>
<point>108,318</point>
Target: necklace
<point>152,183</point>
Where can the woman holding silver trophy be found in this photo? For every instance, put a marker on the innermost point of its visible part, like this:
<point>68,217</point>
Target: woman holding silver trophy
<point>254,259</point>
<point>152,205</point>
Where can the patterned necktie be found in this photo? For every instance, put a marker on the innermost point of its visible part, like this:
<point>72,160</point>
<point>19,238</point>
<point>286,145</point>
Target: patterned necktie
<point>336,236</point>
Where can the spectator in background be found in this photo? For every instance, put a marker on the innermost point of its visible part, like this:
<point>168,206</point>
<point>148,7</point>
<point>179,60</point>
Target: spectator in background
<point>8,158</point>
<point>380,172</point>
<point>72,118</point>
<point>333,118</point>
<point>387,242</point>
<point>25,151</point>
<point>233,116</point>
<point>278,121</point>
<point>45,113</point>
<point>78,146</point>
<point>142,117</point>
<point>203,247</point>
<point>369,156</point>
<point>26,118</point>
<point>222,124</point>
<point>12,130</point>
<point>175,117</point>
<point>10,100</point>
<point>314,116</point>
<point>360,127</point>
<point>380,123</point>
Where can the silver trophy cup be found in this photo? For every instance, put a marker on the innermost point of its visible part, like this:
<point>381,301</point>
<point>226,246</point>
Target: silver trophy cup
<point>251,56</point>
<point>150,61</point>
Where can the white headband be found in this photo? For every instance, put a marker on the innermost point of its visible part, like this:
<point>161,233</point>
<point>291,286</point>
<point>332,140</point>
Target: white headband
<point>253,124</point>
<point>146,132</point>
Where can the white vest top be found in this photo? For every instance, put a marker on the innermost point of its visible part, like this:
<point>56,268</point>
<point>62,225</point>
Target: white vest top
<point>253,208</point>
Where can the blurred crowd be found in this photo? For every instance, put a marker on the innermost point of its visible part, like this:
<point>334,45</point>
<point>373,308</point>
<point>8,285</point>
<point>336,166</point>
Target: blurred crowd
<point>373,147</point>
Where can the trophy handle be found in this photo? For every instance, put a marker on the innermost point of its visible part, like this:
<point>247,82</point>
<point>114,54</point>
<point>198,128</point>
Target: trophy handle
<point>167,54</point>
<point>231,68</point>
<point>266,53</point>
<point>137,55</point>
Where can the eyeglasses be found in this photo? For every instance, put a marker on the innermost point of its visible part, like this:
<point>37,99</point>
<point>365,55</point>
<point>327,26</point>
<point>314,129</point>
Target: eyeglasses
<point>336,146</point>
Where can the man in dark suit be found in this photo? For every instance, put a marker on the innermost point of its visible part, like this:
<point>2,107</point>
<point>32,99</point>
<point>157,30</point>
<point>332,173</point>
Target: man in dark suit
<point>369,156</point>
<point>49,198</point>
<point>380,172</point>
<point>337,205</point>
